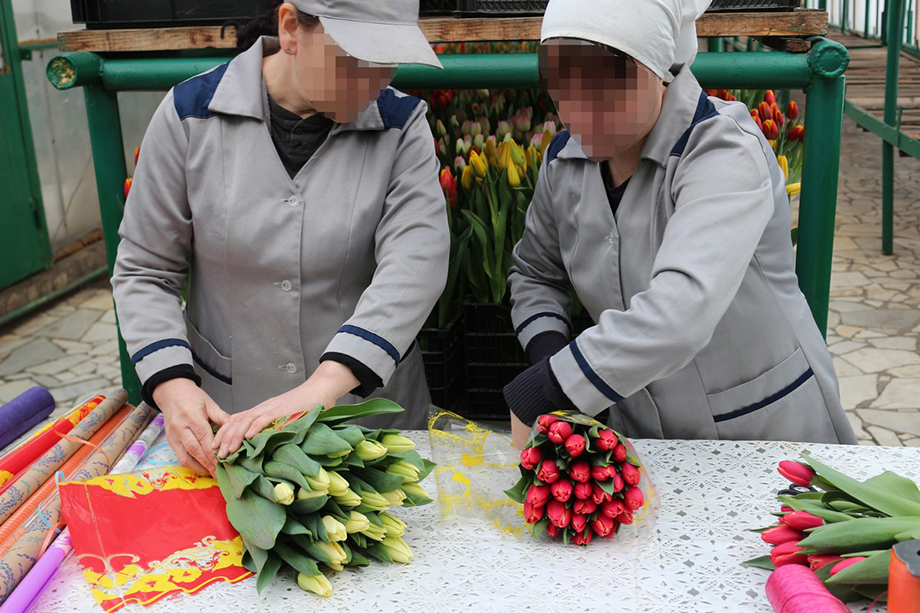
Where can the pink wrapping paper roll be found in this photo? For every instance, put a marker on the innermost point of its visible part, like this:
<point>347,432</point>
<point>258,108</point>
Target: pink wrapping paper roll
<point>796,589</point>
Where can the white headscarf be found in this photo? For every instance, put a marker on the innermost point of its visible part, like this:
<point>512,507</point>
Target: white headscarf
<point>658,33</point>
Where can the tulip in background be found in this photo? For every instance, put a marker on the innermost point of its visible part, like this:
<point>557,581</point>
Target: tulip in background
<point>841,528</point>
<point>579,479</point>
<point>313,493</point>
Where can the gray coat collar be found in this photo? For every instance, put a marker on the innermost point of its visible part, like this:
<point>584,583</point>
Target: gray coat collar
<point>240,90</point>
<point>677,110</point>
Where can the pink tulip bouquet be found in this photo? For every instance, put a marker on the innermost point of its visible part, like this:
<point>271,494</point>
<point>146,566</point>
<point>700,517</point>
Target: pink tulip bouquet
<point>579,479</point>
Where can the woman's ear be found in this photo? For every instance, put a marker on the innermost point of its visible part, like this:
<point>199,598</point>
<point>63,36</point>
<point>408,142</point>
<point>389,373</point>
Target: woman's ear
<point>288,23</point>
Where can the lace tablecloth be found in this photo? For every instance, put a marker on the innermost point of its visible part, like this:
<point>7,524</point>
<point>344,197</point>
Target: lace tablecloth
<point>711,493</point>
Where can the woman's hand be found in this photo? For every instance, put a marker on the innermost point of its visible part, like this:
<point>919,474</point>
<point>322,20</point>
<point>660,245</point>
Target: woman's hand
<point>189,412</point>
<point>519,432</point>
<point>329,383</point>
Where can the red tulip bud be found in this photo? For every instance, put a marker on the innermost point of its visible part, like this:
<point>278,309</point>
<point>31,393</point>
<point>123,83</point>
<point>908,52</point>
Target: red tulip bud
<point>530,457</point>
<point>618,483</point>
<point>545,421</point>
<point>580,471</point>
<point>755,114</point>
<point>538,495</point>
<point>549,472</point>
<point>765,111</point>
<point>796,472</point>
<point>801,520</point>
<point>575,445</point>
<point>585,507</point>
<point>788,553</point>
<point>606,440</point>
<point>599,473</point>
<point>778,117</point>
<point>777,535</point>
<point>630,474</point>
<point>579,522</point>
<point>560,431</point>
<point>583,491</point>
<point>792,110</point>
<point>619,453</point>
<point>759,123</point>
<point>785,509</point>
<point>552,530</point>
<point>613,508</point>
<point>769,97</point>
<point>626,517</point>
<point>845,563</point>
<point>558,513</point>
<point>532,514</point>
<point>603,525</point>
<point>581,539</point>
<point>562,490</point>
<point>598,495</point>
<point>796,133</point>
<point>634,498</point>
<point>128,182</point>
<point>818,561</point>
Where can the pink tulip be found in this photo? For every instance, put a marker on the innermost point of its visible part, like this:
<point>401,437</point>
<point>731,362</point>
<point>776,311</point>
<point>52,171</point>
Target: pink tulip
<point>599,473</point>
<point>538,495</point>
<point>558,513</point>
<point>532,514</point>
<point>619,453</point>
<point>549,472</point>
<point>562,490</point>
<point>801,520</point>
<point>580,471</point>
<point>603,525</point>
<point>606,440</point>
<point>634,498</point>
<point>845,563</point>
<point>545,421</point>
<point>579,522</point>
<point>777,535</point>
<point>630,473</point>
<point>575,445</point>
<point>583,491</point>
<point>796,472</point>
<point>530,457</point>
<point>560,431</point>
<point>585,507</point>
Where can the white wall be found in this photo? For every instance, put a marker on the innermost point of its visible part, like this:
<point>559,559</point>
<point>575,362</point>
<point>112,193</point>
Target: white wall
<point>59,127</point>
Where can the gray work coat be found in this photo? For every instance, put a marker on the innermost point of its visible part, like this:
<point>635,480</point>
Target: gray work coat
<point>348,257</point>
<point>701,330</point>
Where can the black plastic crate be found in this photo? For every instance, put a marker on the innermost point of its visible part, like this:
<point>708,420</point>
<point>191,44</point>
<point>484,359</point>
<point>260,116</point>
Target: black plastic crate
<point>156,13</point>
<point>443,355</point>
<point>481,8</point>
<point>493,359</point>
<point>437,7</point>
<point>718,6</point>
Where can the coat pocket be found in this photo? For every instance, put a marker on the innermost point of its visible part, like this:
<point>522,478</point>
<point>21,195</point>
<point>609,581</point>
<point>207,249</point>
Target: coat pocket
<point>214,368</point>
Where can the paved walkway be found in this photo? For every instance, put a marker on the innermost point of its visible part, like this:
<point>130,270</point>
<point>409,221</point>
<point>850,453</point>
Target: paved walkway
<point>70,348</point>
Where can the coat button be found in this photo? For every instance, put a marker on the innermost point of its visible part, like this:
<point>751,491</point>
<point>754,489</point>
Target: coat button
<point>292,201</point>
<point>290,367</point>
<point>285,285</point>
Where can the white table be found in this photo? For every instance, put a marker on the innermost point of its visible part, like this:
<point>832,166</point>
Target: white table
<point>711,493</point>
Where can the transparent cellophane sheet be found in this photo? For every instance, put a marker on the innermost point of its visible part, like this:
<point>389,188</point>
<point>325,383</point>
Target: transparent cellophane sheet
<point>477,462</point>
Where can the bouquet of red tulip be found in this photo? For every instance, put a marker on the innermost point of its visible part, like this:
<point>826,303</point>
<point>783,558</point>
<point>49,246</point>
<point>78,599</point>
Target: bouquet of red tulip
<point>579,479</point>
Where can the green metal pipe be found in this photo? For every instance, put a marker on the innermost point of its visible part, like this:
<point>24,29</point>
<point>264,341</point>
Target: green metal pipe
<point>111,171</point>
<point>521,70</point>
<point>895,25</point>
<point>866,24</point>
<point>25,310</point>
<point>715,44</point>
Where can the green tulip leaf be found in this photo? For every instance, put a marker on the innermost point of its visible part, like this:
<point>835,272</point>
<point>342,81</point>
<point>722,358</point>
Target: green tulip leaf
<point>239,478</point>
<point>373,518</point>
<point>266,441</point>
<point>348,412</point>
<point>254,558</point>
<point>257,519</point>
<point>761,562</point>
<point>379,480</point>
<point>280,470</point>
<point>356,560</point>
<point>840,591</point>
<point>351,433</point>
<point>358,485</point>
<point>264,488</point>
<point>314,523</point>
<point>873,592</point>
<point>871,571</point>
<point>331,508</point>
<point>327,462</point>
<point>308,505</point>
<point>292,526</point>
<point>358,539</point>
<point>268,571</point>
<point>302,425</point>
<point>888,502</point>
<point>796,503</point>
<point>352,459</point>
<point>297,560</point>
<point>294,456</point>
<point>896,484</point>
<point>322,441</point>
<point>862,534</point>
<point>412,500</point>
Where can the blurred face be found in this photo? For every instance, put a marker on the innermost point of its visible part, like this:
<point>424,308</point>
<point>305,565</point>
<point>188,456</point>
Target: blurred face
<point>607,100</point>
<point>336,84</point>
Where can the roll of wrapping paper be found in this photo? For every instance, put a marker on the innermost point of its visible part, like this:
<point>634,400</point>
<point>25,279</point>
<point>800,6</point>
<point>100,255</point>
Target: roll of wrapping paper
<point>20,558</point>
<point>45,467</point>
<point>34,583</point>
<point>796,589</point>
<point>13,527</point>
<point>17,460</point>
<point>26,410</point>
<point>904,578</point>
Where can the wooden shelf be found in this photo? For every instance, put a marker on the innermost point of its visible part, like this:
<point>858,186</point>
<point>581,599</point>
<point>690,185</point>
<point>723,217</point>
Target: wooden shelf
<point>798,23</point>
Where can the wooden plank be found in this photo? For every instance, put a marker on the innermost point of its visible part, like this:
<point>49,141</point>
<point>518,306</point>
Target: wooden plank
<point>785,43</point>
<point>799,23</point>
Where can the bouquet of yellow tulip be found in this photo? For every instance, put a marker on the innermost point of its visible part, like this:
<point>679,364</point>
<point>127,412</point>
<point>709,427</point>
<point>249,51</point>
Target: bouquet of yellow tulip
<point>314,492</point>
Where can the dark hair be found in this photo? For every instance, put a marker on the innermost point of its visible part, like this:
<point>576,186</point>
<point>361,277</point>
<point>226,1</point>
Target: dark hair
<point>266,25</point>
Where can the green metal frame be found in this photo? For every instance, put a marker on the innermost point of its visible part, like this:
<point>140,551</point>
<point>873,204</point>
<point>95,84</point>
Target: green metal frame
<point>819,73</point>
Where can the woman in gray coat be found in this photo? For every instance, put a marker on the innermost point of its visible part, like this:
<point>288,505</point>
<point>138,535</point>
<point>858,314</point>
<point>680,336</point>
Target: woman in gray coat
<point>667,213</point>
<point>298,197</point>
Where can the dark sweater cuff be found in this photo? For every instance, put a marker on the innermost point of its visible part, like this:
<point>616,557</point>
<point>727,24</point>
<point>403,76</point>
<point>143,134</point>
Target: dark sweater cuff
<point>181,371</point>
<point>368,380</point>
<point>545,344</point>
<point>536,392</point>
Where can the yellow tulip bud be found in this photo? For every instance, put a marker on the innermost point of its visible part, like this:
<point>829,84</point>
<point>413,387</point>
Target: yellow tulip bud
<point>784,164</point>
<point>332,553</point>
<point>478,164</point>
<point>319,483</point>
<point>793,188</point>
<point>514,178</point>
<point>374,501</point>
<point>517,154</point>
<point>338,486</point>
<point>370,450</point>
<point>407,471</point>
<point>415,489</point>
<point>304,493</point>
<point>395,498</point>
<point>393,525</point>
<point>491,152</point>
<point>334,528</point>
<point>547,137</point>
<point>398,549</point>
<point>357,523</point>
<point>396,443</point>
<point>348,499</point>
<point>378,533</point>
<point>466,179</point>
<point>504,155</point>
<point>318,585</point>
<point>284,493</point>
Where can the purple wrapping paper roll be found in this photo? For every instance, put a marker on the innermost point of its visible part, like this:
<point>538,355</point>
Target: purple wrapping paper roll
<point>23,412</point>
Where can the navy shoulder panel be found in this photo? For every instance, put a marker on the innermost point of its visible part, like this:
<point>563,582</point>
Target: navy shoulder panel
<point>192,97</point>
<point>395,110</point>
<point>704,110</point>
<point>555,146</point>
